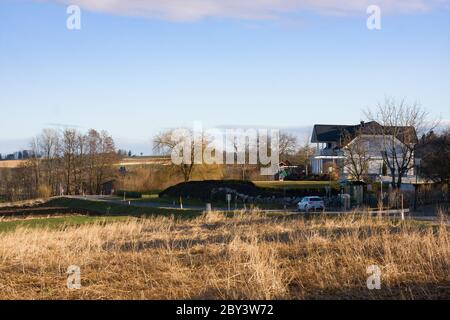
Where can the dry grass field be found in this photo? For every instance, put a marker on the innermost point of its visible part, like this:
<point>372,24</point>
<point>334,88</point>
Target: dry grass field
<point>248,256</point>
<point>11,163</point>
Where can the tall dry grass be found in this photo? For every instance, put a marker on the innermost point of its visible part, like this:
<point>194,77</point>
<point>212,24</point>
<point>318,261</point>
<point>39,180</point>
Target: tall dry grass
<point>250,256</point>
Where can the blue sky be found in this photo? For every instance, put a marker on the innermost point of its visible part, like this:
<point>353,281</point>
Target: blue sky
<point>136,69</point>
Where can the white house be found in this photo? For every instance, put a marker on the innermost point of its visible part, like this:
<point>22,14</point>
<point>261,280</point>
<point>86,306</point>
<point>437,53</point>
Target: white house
<point>334,144</point>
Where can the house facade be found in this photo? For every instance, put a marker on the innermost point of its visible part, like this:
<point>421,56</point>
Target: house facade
<point>362,148</point>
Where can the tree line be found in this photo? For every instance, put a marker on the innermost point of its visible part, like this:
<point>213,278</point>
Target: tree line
<point>240,146</point>
<point>66,162</point>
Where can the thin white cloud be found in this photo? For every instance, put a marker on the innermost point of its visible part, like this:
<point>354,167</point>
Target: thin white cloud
<point>445,123</point>
<point>64,125</point>
<point>192,10</point>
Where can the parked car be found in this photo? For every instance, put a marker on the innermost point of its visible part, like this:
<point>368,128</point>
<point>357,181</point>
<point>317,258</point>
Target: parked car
<point>311,203</point>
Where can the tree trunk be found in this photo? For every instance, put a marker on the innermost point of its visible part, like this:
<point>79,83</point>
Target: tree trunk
<point>393,183</point>
<point>399,181</point>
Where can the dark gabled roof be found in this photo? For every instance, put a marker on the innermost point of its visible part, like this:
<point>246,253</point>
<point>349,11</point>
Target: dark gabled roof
<point>326,133</point>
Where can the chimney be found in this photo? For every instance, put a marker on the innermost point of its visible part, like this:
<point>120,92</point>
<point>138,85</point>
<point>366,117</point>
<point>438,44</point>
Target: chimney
<point>362,124</point>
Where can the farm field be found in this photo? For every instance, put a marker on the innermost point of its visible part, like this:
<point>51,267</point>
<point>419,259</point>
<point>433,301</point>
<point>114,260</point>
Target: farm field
<point>11,163</point>
<point>211,256</point>
<point>142,161</point>
<point>129,161</point>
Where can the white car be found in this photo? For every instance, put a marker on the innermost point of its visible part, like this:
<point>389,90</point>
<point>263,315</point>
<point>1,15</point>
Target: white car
<point>311,203</point>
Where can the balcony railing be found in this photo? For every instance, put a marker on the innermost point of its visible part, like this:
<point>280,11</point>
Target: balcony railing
<point>329,152</point>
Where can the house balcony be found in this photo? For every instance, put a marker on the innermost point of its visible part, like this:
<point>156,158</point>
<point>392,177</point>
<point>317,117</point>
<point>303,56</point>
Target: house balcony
<point>323,157</point>
<point>327,152</point>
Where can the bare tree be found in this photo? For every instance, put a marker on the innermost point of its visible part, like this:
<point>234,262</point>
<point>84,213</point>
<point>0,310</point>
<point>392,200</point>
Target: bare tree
<point>34,163</point>
<point>287,145</point>
<point>69,150</point>
<point>302,156</point>
<point>243,144</point>
<point>244,164</point>
<point>93,144</point>
<point>164,143</point>
<point>49,145</point>
<point>79,171</point>
<point>107,157</point>
<point>398,124</point>
<point>357,155</point>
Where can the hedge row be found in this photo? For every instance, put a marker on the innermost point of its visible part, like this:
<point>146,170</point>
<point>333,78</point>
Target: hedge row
<point>202,189</point>
<point>210,190</point>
